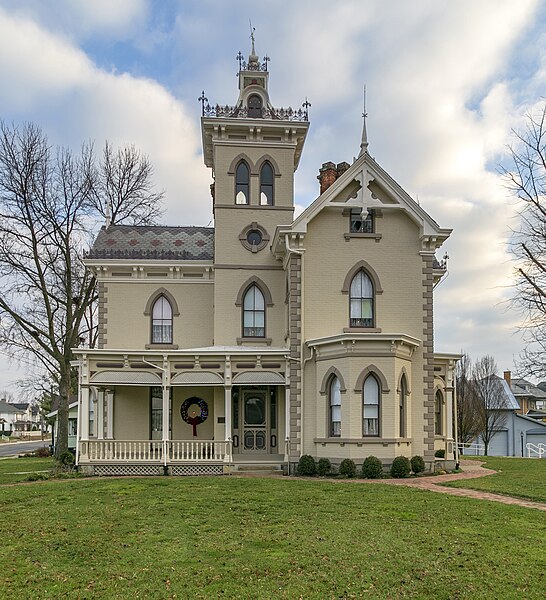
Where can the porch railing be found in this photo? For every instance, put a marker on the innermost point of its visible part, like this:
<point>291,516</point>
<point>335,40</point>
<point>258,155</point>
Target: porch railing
<point>154,451</point>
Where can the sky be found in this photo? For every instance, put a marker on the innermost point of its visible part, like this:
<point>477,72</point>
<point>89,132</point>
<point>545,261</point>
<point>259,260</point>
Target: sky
<point>446,82</point>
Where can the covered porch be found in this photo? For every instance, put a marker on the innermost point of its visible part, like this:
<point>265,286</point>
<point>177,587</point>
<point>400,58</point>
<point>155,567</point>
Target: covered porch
<point>170,414</point>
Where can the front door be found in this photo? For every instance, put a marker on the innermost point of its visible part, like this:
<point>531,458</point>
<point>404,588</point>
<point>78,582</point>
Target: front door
<point>255,422</point>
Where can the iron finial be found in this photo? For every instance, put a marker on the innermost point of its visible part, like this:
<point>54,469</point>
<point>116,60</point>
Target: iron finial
<point>364,141</point>
<point>202,98</point>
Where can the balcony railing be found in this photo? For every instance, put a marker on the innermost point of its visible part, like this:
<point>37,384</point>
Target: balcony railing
<point>153,451</point>
<point>241,112</point>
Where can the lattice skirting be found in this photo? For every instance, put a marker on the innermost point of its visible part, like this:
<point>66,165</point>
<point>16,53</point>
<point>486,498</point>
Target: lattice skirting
<point>196,470</point>
<point>127,470</point>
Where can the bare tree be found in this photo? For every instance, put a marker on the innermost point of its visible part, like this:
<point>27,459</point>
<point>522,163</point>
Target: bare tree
<point>490,399</point>
<point>526,180</point>
<point>48,207</point>
<point>467,404</point>
<point>123,183</point>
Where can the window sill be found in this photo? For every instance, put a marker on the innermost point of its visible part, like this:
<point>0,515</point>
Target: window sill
<point>254,340</point>
<point>362,330</point>
<point>370,236</point>
<point>161,346</point>
<point>360,441</point>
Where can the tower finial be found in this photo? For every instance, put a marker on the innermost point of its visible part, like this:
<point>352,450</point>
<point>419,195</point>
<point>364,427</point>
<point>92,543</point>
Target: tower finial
<point>253,59</point>
<point>364,142</point>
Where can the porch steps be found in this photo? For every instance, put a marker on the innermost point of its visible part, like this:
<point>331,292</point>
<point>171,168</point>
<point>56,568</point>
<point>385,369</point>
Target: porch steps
<point>262,469</point>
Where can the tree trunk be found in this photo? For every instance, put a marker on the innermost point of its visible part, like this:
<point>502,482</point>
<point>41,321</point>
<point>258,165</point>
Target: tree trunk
<point>65,389</point>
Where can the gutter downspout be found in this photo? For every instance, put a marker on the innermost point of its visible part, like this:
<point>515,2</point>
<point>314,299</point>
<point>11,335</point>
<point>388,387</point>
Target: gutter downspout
<point>455,419</point>
<point>302,330</point>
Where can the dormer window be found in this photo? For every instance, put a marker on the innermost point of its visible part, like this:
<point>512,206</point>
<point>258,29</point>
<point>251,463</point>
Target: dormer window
<point>242,183</point>
<point>255,105</point>
<point>359,224</point>
<point>266,185</point>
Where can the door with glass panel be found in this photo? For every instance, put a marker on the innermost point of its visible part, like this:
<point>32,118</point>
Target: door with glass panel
<point>255,422</point>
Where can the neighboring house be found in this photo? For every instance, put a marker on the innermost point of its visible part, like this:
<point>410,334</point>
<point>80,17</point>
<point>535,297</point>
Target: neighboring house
<point>265,338</point>
<point>10,414</point>
<point>529,396</point>
<point>29,420</point>
<point>72,424</point>
<point>516,430</point>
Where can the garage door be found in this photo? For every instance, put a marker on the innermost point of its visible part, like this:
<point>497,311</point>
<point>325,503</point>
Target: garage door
<point>499,444</point>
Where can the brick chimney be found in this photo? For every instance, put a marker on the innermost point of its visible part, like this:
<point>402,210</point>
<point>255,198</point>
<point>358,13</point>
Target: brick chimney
<point>508,378</point>
<point>329,172</point>
<point>327,175</point>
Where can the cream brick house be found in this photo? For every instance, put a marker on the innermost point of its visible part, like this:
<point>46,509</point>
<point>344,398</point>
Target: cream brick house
<point>265,338</point>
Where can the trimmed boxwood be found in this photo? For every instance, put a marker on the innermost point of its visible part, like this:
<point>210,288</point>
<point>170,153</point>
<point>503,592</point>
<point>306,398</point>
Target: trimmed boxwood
<point>417,464</point>
<point>372,468</point>
<point>324,466</point>
<point>401,467</point>
<point>307,466</point>
<point>440,454</point>
<point>347,468</point>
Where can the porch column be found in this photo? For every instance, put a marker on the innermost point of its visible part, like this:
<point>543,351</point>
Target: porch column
<point>227,412</point>
<point>287,423</point>
<point>110,414</point>
<point>84,401</point>
<point>166,412</point>
<point>100,414</point>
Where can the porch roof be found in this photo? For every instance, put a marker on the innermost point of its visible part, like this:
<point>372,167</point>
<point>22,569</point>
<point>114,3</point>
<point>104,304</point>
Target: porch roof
<point>126,378</point>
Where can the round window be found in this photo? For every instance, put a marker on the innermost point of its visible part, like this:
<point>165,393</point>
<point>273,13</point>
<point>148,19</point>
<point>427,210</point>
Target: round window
<point>254,237</point>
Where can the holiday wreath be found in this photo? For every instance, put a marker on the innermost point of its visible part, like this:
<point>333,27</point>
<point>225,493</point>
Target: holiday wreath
<point>194,417</point>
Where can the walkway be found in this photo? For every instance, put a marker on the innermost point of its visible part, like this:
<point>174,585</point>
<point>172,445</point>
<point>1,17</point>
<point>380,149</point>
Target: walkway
<point>472,470</point>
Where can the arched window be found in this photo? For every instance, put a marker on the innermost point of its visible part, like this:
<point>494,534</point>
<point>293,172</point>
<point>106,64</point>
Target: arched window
<point>334,393</point>
<point>162,321</point>
<point>253,313</point>
<point>266,185</point>
<point>370,407</point>
<point>438,424</point>
<point>255,105</point>
<point>361,301</point>
<point>241,183</point>
<point>402,407</point>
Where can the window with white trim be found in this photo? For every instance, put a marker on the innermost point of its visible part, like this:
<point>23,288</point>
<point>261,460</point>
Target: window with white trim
<point>334,396</point>
<point>370,407</point>
<point>253,313</point>
<point>361,301</point>
<point>162,321</point>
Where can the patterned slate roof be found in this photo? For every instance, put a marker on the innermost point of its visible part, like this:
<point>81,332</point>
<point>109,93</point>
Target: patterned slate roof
<point>155,242</point>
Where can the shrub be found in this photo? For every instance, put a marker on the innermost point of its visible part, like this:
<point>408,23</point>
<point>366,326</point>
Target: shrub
<point>324,467</point>
<point>307,465</point>
<point>67,459</point>
<point>38,477</point>
<point>417,464</point>
<point>372,468</point>
<point>42,452</point>
<point>347,468</point>
<point>440,454</point>
<point>401,467</point>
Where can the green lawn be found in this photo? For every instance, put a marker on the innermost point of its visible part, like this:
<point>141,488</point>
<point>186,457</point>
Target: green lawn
<point>263,538</point>
<point>23,467</point>
<point>522,477</point>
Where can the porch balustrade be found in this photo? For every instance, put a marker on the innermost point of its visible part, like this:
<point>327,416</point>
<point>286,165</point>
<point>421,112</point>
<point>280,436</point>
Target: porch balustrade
<point>153,451</point>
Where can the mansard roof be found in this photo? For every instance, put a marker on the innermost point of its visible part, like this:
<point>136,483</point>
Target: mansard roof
<point>153,242</point>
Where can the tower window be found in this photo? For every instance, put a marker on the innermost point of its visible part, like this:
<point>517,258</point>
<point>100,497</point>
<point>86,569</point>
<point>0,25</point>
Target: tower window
<point>242,183</point>
<point>253,313</point>
<point>255,105</point>
<point>266,185</point>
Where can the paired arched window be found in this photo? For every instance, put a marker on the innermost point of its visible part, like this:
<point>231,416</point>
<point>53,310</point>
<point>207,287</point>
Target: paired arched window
<point>242,175</point>
<point>361,301</point>
<point>402,405</point>
<point>370,407</point>
<point>162,321</point>
<point>253,312</point>
<point>266,184</point>
<point>438,424</point>
<point>334,393</point>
